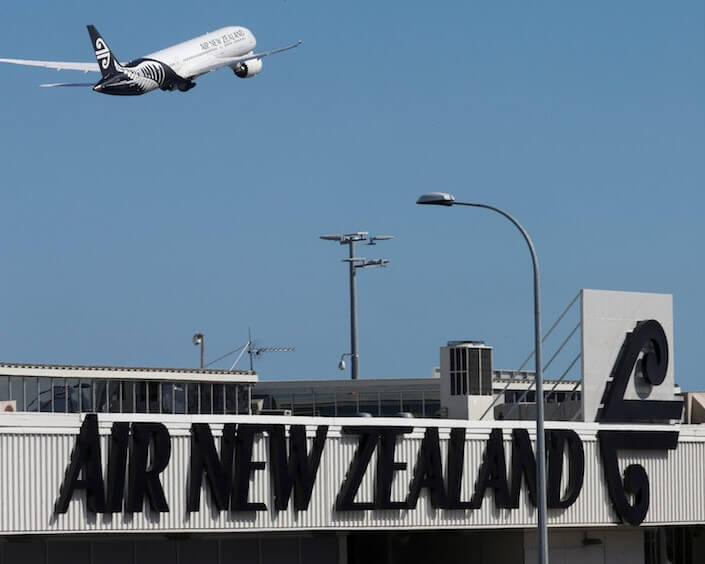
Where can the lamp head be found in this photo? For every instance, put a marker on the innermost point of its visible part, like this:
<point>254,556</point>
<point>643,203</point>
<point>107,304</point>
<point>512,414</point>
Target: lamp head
<point>437,199</point>
<point>341,364</point>
<point>197,338</point>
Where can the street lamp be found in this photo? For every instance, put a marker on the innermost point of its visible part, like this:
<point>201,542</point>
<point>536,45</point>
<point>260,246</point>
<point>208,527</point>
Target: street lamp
<point>354,263</point>
<point>443,199</point>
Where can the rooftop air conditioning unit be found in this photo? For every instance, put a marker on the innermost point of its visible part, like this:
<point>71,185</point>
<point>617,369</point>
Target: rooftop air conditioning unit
<point>467,366</point>
<point>8,406</point>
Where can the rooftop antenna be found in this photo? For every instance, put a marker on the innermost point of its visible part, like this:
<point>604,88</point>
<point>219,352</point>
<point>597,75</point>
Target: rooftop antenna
<point>254,351</point>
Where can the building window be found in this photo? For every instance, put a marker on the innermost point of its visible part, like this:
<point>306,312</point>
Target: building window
<point>128,396</point>
<point>179,397</point>
<point>17,391</point>
<point>167,397</point>
<point>192,398</point>
<point>218,399</point>
<point>45,395</point>
<point>205,401</point>
<point>4,388</point>
<point>31,393</point>
<point>59,392</point>
<point>114,396</point>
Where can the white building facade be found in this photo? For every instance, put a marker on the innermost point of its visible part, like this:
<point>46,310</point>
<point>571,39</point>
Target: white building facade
<point>174,467</point>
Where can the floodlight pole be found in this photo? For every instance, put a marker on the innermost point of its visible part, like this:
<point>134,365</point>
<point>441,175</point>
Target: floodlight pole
<point>442,199</point>
<point>354,367</point>
<point>354,263</point>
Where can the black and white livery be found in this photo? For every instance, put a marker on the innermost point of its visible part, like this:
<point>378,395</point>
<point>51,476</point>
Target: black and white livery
<point>173,68</point>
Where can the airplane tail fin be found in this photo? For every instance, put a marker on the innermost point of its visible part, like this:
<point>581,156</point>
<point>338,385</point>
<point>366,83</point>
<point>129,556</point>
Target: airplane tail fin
<point>106,59</point>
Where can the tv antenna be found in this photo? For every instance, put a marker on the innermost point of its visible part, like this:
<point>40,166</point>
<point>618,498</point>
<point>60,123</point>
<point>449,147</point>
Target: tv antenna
<point>255,351</point>
<point>251,348</point>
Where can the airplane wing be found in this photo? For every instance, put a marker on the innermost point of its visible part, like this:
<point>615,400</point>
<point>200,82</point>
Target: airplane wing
<point>54,85</point>
<point>232,60</point>
<point>58,65</point>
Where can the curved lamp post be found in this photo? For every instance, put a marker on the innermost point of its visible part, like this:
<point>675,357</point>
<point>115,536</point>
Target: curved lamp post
<point>443,199</point>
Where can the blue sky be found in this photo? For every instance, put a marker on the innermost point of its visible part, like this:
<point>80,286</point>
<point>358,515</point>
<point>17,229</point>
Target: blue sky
<point>130,223</point>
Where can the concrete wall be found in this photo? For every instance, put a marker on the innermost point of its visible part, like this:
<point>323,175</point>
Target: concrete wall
<point>607,317</point>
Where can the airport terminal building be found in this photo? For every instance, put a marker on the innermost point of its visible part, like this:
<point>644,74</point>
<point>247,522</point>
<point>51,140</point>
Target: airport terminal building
<point>135,465</point>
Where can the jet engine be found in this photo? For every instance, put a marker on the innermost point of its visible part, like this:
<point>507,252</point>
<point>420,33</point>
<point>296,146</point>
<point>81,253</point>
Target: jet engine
<point>248,69</point>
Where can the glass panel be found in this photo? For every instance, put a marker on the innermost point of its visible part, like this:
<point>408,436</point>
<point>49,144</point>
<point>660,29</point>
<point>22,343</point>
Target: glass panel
<point>325,404</point>
<point>243,550</point>
<point>167,397</point>
<point>412,403</point>
<point>192,398</point>
<point>231,397</point>
<point>31,393</point>
<point>281,400</point>
<point>68,552</point>
<point>59,387</point>
<point>324,548</point>
<point>391,403</point>
<point>114,396</point>
<point>72,395</point>
<point>4,388</point>
<point>153,397</point>
<point>128,396</point>
<point>86,395</point>
<point>101,396</point>
<point>45,394</point>
<point>160,551</point>
<point>179,397</point>
<point>284,551</point>
<point>206,406</point>
<point>347,403</point>
<point>24,551</point>
<point>17,391</point>
<point>244,397</point>
<point>433,407</point>
<point>303,404</point>
<point>198,551</point>
<point>369,403</point>
<point>141,397</point>
<point>218,399</point>
<point>113,552</point>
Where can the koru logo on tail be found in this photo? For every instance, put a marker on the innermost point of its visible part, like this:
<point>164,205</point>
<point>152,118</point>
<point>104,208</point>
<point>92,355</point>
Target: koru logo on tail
<point>102,53</point>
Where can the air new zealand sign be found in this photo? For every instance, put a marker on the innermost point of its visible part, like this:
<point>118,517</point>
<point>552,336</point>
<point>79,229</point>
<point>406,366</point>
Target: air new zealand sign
<point>140,452</point>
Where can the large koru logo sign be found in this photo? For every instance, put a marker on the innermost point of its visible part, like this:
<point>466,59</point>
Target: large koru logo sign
<point>133,474</point>
<point>645,351</point>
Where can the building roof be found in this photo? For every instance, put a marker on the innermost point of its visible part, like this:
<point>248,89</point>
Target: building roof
<point>125,372</point>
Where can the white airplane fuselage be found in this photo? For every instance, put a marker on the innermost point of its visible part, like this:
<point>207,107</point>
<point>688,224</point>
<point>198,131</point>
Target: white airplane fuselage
<point>205,53</point>
<point>173,68</point>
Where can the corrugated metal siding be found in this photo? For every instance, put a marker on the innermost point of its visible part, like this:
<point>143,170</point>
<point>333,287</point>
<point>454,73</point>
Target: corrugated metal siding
<point>33,460</point>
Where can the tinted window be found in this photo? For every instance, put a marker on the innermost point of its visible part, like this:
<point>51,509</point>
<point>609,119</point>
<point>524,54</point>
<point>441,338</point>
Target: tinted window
<point>45,396</point>
<point>31,392</point>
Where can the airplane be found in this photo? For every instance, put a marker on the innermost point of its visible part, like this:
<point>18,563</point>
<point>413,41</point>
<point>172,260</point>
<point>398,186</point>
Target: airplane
<point>173,68</point>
